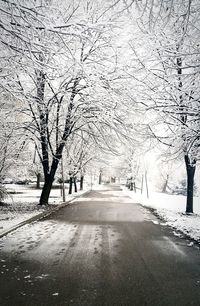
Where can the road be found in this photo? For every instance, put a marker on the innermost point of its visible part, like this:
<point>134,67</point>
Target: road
<point>101,250</point>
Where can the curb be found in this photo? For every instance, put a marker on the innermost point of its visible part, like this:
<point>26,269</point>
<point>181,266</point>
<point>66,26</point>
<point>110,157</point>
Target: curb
<point>41,215</point>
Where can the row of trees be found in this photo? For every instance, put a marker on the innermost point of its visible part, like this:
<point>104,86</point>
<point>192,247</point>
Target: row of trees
<point>80,90</point>
<point>165,70</point>
<point>58,63</point>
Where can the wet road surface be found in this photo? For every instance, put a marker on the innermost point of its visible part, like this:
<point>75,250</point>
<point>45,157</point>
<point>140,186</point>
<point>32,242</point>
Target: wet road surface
<point>101,250</point>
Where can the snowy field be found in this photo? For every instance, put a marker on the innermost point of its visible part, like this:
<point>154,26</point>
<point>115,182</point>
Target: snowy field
<point>171,208</point>
<point>21,204</point>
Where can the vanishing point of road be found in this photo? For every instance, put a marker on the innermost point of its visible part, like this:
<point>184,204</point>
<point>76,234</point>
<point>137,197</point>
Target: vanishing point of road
<point>102,249</point>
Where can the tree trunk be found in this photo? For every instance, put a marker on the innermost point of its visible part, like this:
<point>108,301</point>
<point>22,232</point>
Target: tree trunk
<point>70,184</point>
<point>100,177</point>
<point>164,189</point>
<point>63,180</point>
<point>38,180</point>
<point>146,183</point>
<point>44,198</point>
<point>75,185</point>
<point>48,180</point>
<point>142,182</point>
<point>81,182</point>
<point>190,169</point>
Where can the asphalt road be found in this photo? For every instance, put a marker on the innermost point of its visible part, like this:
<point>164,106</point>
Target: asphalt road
<point>100,250</point>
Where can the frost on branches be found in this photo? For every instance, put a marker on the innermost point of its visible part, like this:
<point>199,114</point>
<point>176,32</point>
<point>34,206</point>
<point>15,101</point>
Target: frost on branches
<point>169,81</point>
<point>61,57</point>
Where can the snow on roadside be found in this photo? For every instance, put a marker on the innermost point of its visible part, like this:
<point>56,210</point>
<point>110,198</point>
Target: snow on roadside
<point>171,208</point>
<point>21,204</point>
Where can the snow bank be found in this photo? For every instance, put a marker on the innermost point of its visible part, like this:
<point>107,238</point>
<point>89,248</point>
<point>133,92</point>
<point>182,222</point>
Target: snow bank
<point>22,201</point>
<point>171,208</point>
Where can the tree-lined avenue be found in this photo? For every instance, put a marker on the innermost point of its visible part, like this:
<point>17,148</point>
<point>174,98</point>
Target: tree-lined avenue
<point>101,250</point>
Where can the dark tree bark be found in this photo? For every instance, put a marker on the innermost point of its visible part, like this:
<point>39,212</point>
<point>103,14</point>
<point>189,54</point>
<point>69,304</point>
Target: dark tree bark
<point>44,198</point>
<point>75,185</point>
<point>190,169</point>
<point>100,177</point>
<point>38,180</point>
<point>131,186</point>
<point>81,182</point>
<point>70,184</point>
<point>48,179</point>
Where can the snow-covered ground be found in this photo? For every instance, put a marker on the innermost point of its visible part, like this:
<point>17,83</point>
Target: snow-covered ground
<point>21,204</point>
<point>171,208</point>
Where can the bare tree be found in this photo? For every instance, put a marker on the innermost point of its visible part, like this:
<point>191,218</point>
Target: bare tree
<point>61,65</point>
<point>167,77</point>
